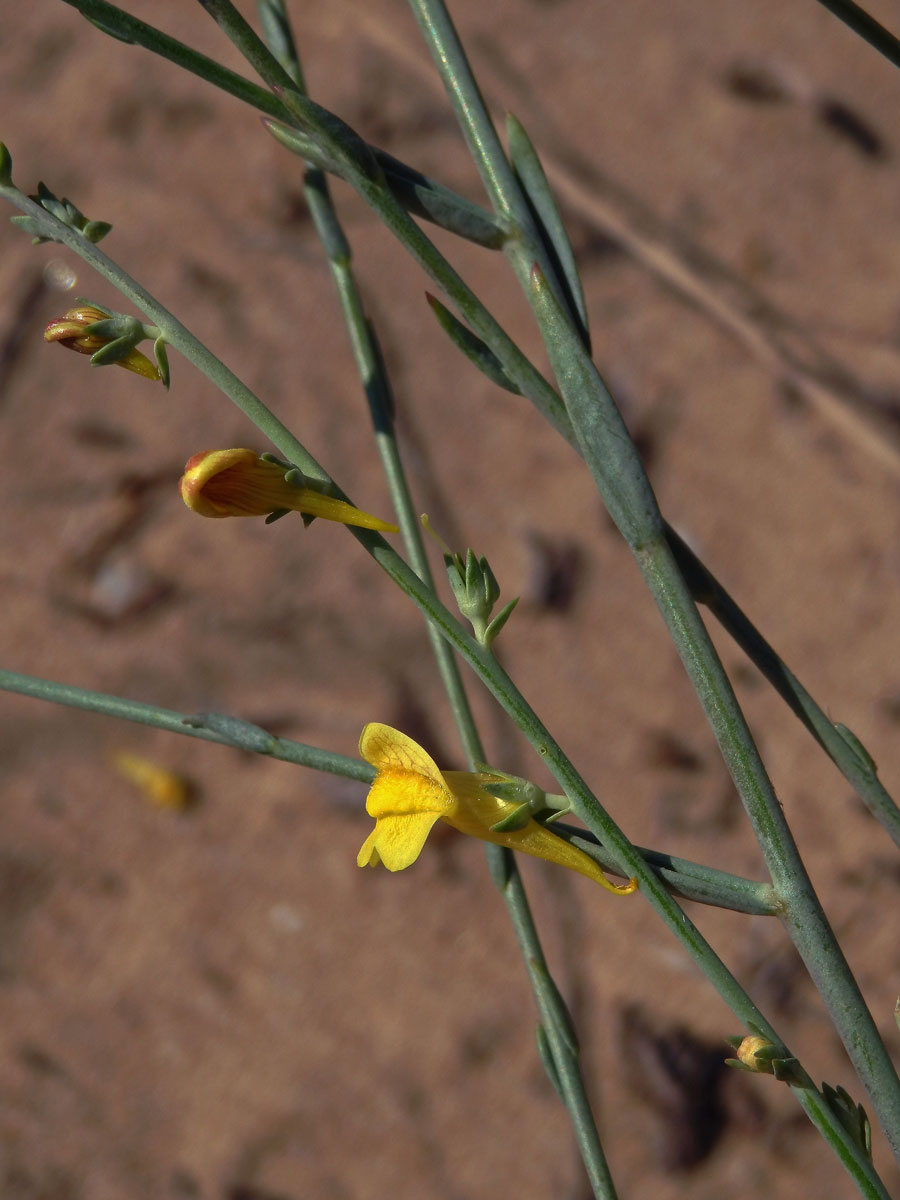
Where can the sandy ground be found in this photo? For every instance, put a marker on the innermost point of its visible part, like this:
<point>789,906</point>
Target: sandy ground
<point>218,1004</point>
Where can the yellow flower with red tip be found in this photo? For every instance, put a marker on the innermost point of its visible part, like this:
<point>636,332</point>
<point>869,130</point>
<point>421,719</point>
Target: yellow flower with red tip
<point>409,794</point>
<point>75,330</point>
<point>241,483</point>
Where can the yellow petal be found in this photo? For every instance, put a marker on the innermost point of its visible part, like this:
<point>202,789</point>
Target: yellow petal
<point>536,840</point>
<point>387,748</point>
<point>368,855</point>
<point>477,810</point>
<point>397,841</point>
<point>399,793</point>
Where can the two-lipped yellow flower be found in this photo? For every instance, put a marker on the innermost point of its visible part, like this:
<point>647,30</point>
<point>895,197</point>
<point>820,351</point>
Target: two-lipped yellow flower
<point>409,794</point>
<point>241,483</point>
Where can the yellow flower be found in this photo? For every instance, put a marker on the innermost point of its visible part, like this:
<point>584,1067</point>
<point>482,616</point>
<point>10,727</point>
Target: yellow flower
<point>74,332</point>
<point>159,785</point>
<point>410,793</point>
<point>238,483</point>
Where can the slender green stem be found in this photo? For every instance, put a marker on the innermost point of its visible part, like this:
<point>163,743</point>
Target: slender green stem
<point>474,119</point>
<point>555,1024</point>
<point>209,727</point>
<point>501,181</point>
<point>415,191</point>
<point>617,469</point>
<point>857,767</point>
<point>430,200</point>
<point>360,169</point>
<point>584,803</point>
<point>689,880</point>
<point>378,393</point>
<point>706,587</point>
<point>867,27</point>
<point>376,384</point>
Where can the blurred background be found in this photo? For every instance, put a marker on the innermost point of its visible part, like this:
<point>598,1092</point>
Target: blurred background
<point>216,1004</point>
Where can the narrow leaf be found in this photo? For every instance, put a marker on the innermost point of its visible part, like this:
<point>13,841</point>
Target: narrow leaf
<point>533,179</point>
<point>472,347</point>
<point>499,621</point>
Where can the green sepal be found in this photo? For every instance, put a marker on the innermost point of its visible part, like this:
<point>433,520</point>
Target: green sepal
<point>789,1071</point>
<point>508,790</point>
<point>66,213</point>
<point>499,621</point>
<point>277,515</point>
<point>851,1115</point>
<point>472,572</point>
<point>295,477</point>
<point>545,1052</point>
<point>513,789</point>
<point>457,583</point>
<point>489,583</point>
<point>112,352</point>
<point>161,358</point>
<point>517,819</point>
<point>54,207</point>
<point>472,347</point>
<point>531,175</point>
<point>563,811</point>
<point>96,231</point>
<point>115,328</point>
<point>33,226</point>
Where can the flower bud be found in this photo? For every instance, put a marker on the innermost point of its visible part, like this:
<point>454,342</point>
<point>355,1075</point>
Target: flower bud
<point>748,1050</point>
<point>241,483</point>
<point>91,330</point>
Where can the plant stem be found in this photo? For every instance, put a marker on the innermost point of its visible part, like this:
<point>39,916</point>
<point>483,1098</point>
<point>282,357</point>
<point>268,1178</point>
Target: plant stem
<point>866,27</point>
<point>584,803</point>
<point>209,727</point>
<point>691,880</point>
<point>615,464</point>
<point>376,383</point>
<point>858,769</point>
<point>467,216</point>
<point>414,191</point>
<point>705,586</point>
